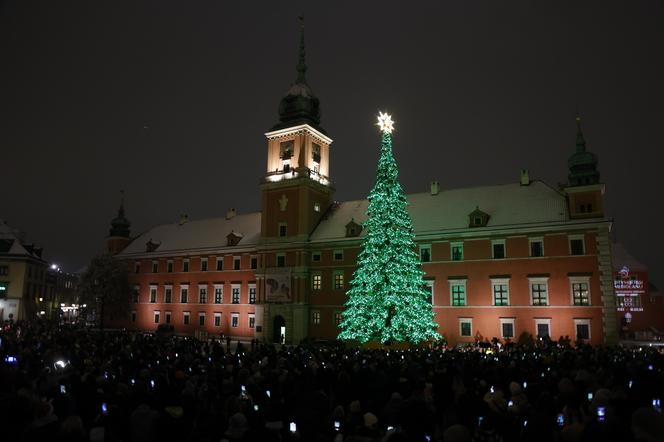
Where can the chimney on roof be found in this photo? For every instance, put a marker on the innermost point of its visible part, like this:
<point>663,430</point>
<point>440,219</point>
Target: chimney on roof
<point>435,187</point>
<point>525,177</point>
<point>183,219</point>
<point>231,213</point>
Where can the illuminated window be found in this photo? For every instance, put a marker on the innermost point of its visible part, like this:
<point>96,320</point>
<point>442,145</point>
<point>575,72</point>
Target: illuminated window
<point>457,251</point>
<point>252,293</point>
<point>315,317</point>
<point>500,292</point>
<point>217,319</point>
<point>539,291</point>
<point>425,253</point>
<point>458,293</point>
<point>235,320</point>
<point>204,264</point>
<point>202,295</point>
<point>580,291</point>
<point>337,318</point>
<point>235,293</point>
<point>507,328</point>
<point>498,249</point>
<point>218,294</point>
<point>156,317</point>
<point>466,327</point>
<point>252,321</point>
<point>338,280</point>
<point>316,281</point>
<point>536,247</point>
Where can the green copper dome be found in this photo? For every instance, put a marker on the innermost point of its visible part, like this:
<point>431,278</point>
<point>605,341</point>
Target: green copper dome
<point>120,224</point>
<point>300,105</point>
<point>582,164</point>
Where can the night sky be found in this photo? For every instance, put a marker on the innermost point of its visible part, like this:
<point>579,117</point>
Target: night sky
<point>170,100</point>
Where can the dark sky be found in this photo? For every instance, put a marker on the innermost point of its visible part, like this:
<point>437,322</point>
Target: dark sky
<point>170,99</point>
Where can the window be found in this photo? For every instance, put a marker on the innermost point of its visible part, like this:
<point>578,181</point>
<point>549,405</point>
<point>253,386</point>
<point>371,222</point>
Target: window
<point>316,280</point>
<point>252,293</point>
<point>498,249</point>
<point>168,294</point>
<point>153,294</point>
<point>283,229</point>
<point>316,207</point>
<point>580,291</point>
<point>543,327</point>
<point>536,247</point>
<point>137,267</point>
<point>204,263</point>
<point>133,316</point>
<point>235,292</point>
<point>236,263</point>
<point>202,294</point>
<point>466,327</point>
<point>235,319</point>
<point>185,318</point>
<point>500,288</point>
<point>539,291</point>
<point>428,287</point>
<point>252,321</point>
<point>201,319</point>
<point>217,319</point>
<point>185,265</point>
<point>156,317</point>
<point>4,270</point>
<point>218,294</point>
<point>254,262</point>
<point>167,317</point>
<point>315,256</point>
<point>338,280</point>
<point>184,294</point>
<point>169,266</point>
<point>281,260</point>
<point>576,245</point>
<point>425,253</point>
<point>338,255</point>
<point>458,292</point>
<point>286,150</point>
<point>337,318</point>
<point>582,328</point>
<point>315,152</point>
<point>456,249</point>
<point>632,301</point>
<point>155,266</point>
<point>507,328</point>
<point>315,317</point>
<point>220,263</point>
<point>135,294</point>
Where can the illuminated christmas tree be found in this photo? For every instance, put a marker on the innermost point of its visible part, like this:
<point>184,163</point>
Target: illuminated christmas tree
<point>387,300</point>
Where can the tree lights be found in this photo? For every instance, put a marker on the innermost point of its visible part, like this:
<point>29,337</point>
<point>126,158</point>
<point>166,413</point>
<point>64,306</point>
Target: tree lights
<point>387,300</point>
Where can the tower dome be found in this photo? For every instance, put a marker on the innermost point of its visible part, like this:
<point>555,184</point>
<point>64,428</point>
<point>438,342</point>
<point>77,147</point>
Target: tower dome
<point>120,224</point>
<point>582,164</point>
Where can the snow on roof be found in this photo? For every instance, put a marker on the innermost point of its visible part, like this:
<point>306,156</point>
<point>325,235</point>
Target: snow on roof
<point>621,257</point>
<point>11,238</point>
<point>507,204</point>
<point>196,235</point>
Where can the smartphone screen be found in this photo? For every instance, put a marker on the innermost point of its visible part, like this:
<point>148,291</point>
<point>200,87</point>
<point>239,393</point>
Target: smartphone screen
<point>104,408</point>
<point>337,424</point>
<point>560,420</point>
<point>63,390</point>
<point>293,427</point>
<point>601,414</point>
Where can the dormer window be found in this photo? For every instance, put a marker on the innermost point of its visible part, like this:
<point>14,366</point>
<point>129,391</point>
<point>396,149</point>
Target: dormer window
<point>353,229</point>
<point>233,238</point>
<point>151,246</point>
<point>315,152</point>
<point>477,218</point>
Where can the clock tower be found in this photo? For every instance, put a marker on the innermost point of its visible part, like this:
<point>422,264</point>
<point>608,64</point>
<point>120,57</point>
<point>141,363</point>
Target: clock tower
<point>295,193</point>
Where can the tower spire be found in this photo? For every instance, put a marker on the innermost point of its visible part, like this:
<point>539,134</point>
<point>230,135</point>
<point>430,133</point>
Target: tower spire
<point>301,64</point>
<point>580,140</point>
<point>120,225</point>
<point>121,211</point>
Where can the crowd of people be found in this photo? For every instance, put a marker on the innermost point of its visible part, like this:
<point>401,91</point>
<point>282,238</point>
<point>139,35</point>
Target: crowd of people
<point>71,384</point>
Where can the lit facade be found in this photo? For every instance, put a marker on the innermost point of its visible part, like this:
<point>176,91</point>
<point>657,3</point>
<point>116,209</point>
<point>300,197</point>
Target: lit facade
<point>499,260</point>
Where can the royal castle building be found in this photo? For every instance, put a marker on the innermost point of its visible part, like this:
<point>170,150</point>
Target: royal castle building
<point>499,260</point>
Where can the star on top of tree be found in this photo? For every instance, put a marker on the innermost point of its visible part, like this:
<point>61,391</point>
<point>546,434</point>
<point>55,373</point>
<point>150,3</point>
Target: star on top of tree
<point>385,123</point>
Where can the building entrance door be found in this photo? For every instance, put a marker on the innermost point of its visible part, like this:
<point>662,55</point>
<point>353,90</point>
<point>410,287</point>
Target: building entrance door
<point>279,330</point>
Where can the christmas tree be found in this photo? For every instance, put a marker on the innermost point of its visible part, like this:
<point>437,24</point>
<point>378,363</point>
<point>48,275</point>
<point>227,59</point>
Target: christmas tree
<point>387,300</point>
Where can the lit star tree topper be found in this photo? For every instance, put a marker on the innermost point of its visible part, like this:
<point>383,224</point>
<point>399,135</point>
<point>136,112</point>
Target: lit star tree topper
<point>387,300</point>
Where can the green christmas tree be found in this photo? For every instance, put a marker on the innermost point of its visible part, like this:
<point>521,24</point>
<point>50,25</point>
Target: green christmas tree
<point>387,300</point>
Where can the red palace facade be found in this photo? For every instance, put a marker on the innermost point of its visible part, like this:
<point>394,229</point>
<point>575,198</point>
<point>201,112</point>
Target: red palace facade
<point>499,260</point>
